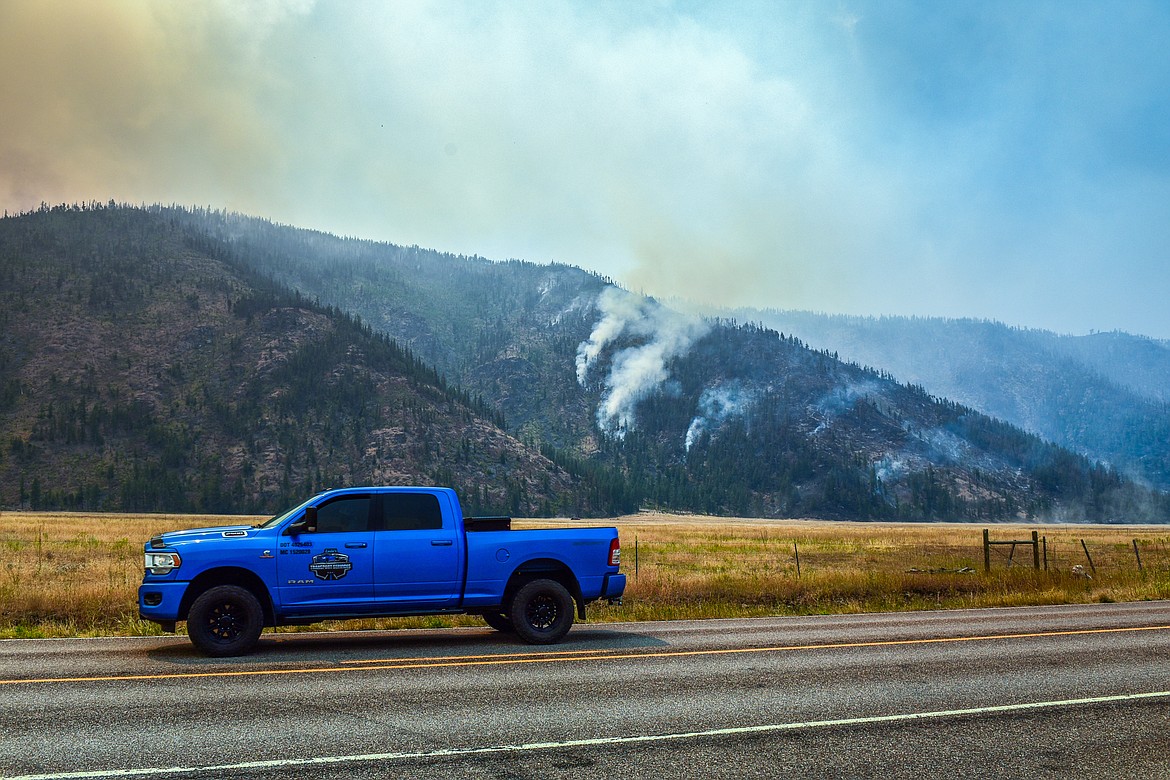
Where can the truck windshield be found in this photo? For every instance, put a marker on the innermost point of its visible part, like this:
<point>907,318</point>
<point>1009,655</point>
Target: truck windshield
<point>278,519</point>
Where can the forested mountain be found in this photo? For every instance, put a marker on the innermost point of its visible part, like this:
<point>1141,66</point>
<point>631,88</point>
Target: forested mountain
<point>143,368</point>
<point>506,331</point>
<point>1105,395</point>
<point>168,359</point>
<point>692,414</point>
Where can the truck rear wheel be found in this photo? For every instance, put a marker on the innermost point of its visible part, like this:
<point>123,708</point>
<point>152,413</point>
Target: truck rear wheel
<point>542,612</point>
<point>225,620</point>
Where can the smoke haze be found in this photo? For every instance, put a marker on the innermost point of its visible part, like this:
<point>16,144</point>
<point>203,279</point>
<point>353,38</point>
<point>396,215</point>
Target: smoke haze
<point>995,160</point>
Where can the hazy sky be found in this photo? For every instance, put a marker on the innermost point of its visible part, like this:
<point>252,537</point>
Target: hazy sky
<point>1002,160</point>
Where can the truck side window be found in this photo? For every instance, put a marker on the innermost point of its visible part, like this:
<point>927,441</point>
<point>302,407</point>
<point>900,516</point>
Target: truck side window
<point>411,512</point>
<point>344,515</point>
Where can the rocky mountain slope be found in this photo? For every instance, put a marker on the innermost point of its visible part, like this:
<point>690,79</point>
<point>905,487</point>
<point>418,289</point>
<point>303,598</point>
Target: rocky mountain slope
<point>141,368</point>
<point>685,413</point>
<point>1103,395</point>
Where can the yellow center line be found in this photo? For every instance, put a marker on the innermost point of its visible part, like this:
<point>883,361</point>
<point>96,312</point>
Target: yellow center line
<point>602,655</point>
<point>474,657</point>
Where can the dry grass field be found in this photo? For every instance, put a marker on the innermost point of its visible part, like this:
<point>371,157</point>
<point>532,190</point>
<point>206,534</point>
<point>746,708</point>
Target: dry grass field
<point>704,567</point>
<point>77,574</point>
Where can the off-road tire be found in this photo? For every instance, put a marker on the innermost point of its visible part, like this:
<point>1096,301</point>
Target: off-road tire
<point>225,620</point>
<point>499,621</point>
<point>542,612</point>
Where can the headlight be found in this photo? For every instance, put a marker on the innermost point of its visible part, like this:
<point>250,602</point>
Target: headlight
<point>162,562</point>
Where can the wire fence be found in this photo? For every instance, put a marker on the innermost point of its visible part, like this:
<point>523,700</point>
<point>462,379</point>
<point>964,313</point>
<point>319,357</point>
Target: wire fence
<point>796,550</point>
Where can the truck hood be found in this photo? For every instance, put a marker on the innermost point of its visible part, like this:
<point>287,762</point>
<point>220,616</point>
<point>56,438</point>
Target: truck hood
<point>203,534</point>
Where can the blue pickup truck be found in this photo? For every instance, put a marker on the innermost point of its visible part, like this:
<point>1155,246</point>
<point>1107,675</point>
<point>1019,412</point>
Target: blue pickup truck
<point>375,552</point>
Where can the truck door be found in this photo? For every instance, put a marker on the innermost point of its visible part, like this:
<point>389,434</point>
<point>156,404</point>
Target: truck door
<point>332,568</point>
<point>418,563</point>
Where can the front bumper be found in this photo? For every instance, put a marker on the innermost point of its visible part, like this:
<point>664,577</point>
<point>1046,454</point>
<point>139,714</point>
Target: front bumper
<point>159,602</point>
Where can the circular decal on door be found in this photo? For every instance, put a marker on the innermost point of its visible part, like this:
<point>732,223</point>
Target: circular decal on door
<point>330,565</point>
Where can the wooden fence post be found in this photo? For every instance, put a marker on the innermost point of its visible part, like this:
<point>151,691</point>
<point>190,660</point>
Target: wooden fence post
<point>1036,550</point>
<point>796,550</point>
<point>1085,547</point>
<point>1138,555</point>
<point>986,551</point>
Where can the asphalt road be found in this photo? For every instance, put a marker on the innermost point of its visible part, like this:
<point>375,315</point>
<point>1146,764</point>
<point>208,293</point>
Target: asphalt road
<point>1075,691</point>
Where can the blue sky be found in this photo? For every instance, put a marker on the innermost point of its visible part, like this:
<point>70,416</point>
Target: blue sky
<point>999,160</point>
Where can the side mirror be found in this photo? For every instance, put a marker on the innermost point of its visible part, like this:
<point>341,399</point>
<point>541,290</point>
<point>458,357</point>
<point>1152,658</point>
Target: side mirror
<point>307,524</point>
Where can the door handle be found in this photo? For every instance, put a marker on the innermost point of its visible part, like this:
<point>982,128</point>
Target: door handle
<point>355,545</point>
<point>441,542</point>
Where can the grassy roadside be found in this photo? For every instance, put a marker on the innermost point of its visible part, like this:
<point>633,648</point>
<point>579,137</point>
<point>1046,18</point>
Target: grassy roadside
<point>77,574</point>
<point>691,568</point>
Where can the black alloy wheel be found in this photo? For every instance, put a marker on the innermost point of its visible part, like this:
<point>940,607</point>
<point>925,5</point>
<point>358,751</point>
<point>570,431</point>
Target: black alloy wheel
<point>542,612</point>
<point>225,620</point>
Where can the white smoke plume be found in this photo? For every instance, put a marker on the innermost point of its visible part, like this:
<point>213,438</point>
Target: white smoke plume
<point>715,406</point>
<point>617,307</point>
<point>635,371</point>
<point>840,401</point>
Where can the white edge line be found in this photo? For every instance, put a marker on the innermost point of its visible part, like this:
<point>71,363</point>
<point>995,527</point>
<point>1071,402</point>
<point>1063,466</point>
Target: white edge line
<point>533,746</point>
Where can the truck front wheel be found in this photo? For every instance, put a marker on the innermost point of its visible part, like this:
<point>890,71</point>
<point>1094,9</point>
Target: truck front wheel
<point>542,612</point>
<point>225,620</point>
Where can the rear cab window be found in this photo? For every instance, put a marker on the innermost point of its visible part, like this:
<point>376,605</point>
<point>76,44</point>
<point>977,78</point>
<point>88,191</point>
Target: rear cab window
<point>410,512</point>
